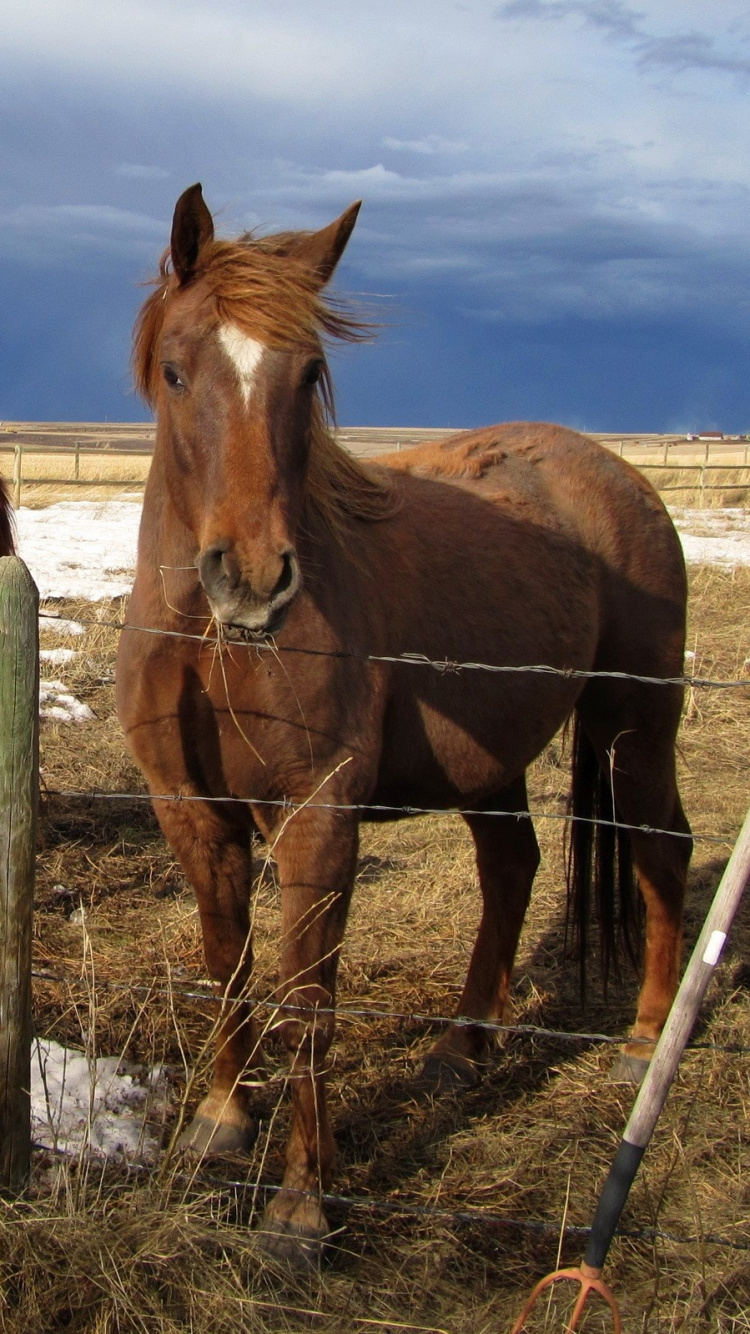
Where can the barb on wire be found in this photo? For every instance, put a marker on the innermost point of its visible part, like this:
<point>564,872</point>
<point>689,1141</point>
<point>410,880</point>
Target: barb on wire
<point>441,665</point>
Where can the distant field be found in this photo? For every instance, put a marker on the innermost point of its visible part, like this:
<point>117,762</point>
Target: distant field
<point>49,461</point>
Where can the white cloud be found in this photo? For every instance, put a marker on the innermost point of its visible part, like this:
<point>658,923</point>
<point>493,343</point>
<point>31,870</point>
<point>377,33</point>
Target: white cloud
<point>430,145</point>
<point>285,52</point>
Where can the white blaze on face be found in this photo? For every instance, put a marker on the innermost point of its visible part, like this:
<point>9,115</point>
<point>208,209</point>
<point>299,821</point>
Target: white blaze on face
<point>245,354</point>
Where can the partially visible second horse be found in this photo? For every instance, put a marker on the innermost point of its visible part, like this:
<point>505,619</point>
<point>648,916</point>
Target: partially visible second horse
<point>7,544</point>
<point>518,545</point>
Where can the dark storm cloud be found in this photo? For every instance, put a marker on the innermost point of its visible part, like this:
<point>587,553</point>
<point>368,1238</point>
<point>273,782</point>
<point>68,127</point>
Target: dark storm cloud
<point>681,51</point>
<point>614,17</point>
<point>689,51</point>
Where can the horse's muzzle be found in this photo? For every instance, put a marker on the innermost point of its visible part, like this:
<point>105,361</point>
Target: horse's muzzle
<point>252,606</point>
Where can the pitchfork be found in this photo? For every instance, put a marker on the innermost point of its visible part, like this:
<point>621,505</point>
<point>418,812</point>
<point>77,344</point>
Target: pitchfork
<point>653,1092</point>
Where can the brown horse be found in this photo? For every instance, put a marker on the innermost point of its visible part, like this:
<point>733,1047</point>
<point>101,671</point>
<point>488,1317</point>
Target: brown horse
<point>516,545</point>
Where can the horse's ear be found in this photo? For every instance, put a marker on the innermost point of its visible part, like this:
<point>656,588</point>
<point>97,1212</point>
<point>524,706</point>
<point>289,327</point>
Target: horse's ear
<point>321,251</point>
<point>192,229</point>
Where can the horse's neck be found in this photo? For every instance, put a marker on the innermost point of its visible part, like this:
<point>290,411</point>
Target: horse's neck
<point>165,577</point>
<point>163,535</point>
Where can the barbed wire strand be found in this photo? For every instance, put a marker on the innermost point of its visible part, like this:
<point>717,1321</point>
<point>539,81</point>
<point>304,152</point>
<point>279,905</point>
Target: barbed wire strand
<point>472,1217</point>
<point>442,665</point>
<point>284,803</point>
<point>342,1012</point>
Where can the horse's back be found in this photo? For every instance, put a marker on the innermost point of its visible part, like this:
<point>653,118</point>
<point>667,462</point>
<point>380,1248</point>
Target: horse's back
<point>564,473</point>
<point>559,479</point>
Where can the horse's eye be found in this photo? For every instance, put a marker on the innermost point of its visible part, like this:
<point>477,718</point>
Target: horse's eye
<point>172,378</point>
<point>313,373</point>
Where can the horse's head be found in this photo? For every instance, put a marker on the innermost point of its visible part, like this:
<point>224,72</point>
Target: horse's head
<point>228,350</point>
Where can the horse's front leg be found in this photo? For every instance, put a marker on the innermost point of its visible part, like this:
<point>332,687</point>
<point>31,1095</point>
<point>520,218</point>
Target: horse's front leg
<point>316,856</point>
<point>212,843</point>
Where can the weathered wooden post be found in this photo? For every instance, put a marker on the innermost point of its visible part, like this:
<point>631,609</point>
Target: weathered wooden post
<point>19,769</point>
<point>17,475</point>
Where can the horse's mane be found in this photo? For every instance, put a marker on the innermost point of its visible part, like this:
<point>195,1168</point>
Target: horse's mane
<point>7,536</point>
<point>277,300</point>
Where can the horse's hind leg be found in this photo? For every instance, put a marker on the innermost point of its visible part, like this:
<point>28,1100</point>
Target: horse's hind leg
<point>639,755</point>
<point>507,860</point>
<point>661,861</point>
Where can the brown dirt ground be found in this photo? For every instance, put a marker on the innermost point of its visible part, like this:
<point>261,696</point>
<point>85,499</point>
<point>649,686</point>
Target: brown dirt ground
<point>105,1250</point>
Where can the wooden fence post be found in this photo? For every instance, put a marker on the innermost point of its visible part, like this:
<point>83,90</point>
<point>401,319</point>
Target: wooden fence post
<point>19,770</point>
<point>17,475</point>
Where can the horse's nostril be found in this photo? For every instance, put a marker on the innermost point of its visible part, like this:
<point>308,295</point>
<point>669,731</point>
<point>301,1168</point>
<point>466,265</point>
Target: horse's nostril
<point>289,577</point>
<point>230,569</point>
<point>218,568</point>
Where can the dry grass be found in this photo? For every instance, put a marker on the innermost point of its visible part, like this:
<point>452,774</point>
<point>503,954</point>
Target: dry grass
<point>95,467</point>
<point>51,476</point>
<point>102,1250</point>
<point>722,487</point>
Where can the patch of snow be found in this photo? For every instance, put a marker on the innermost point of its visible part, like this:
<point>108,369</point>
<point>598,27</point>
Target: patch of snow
<point>714,537</point>
<point>80,548</point>
<point>57,656</point>
<point>82,1106</point>
<point>55,701</point>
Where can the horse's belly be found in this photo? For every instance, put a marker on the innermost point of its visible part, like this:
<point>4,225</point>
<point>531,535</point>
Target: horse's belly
<point>473,742</point>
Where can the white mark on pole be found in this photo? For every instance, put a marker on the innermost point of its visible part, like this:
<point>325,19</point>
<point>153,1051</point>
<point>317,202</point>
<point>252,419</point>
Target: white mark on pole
<point>245,354</point>
<point>714,947</point>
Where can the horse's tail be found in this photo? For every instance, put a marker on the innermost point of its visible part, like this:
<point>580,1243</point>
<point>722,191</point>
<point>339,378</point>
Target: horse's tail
<point>599,859</point>
<point>7,534</point>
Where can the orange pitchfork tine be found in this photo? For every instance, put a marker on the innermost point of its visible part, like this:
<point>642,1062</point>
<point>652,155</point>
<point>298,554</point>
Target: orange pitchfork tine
<point>653,1091</point>
<point>589,1281</point>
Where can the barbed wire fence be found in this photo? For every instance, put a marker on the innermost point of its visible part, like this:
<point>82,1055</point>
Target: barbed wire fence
<point>206,992</point>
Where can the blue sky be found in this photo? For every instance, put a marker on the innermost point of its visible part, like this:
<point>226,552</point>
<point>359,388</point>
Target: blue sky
<point>556,218</point>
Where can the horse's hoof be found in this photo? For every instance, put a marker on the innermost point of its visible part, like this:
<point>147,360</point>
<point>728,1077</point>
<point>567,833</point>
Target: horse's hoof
<point>206,1138</point>
<point>445,1074</point>
<point>296,1246</point>
<point>629,1069</point>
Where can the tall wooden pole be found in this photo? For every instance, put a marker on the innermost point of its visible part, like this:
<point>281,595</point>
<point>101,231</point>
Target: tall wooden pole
<point>19,768</point>
<point>17,473</point>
